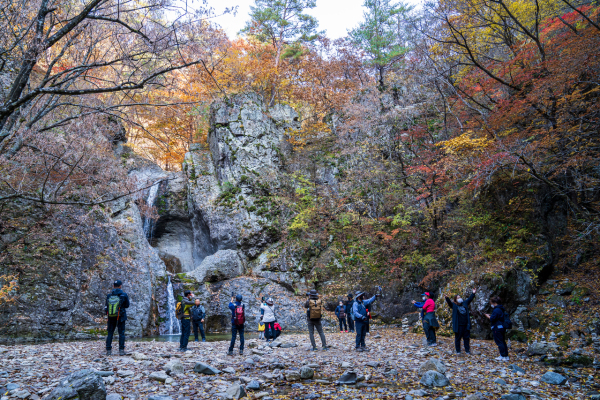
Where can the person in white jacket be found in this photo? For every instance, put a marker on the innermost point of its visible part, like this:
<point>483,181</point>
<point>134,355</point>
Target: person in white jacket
<point>269,319</point>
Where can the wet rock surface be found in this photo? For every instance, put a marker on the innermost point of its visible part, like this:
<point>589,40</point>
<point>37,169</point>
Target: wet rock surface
<point>35,371</point>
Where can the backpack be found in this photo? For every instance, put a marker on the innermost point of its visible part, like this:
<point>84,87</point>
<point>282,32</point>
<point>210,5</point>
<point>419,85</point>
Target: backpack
<point>197,313</point>
<point>314,309</point>
<point>343,312</point>
<point>179,310</point>
<point>507,322</point>
<point>114,306</point>
<point>238,315</point>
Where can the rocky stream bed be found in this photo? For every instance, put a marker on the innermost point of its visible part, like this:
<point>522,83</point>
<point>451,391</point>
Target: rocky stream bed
<point>397,366</point>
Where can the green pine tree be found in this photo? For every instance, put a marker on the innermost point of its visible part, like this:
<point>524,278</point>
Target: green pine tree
<point>382,34</point>
<point>283,24</point>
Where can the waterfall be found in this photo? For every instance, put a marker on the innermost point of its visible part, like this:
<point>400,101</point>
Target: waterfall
<point>172,321</point>
<point>149,222</point>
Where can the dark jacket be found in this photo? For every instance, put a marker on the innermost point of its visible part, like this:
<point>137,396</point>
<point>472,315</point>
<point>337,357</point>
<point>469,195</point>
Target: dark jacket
<point>456,310</point>
<point>349,305</point>
<point>497,317</point>
<point>124,303</point>
<point>339,309</point>
<point>187,305</point>
<point>232,307</point>
<point>198,313</point>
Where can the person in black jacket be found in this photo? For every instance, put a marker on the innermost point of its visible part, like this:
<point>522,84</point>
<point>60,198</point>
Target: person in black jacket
<point>461,320</point>
<point>349,315</point>
<point>198,314</point>
<point>498,328</point>
<point>116,322</point>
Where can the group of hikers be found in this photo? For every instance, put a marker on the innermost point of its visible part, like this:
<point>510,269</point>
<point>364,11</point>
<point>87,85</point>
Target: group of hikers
<point>353,316</point>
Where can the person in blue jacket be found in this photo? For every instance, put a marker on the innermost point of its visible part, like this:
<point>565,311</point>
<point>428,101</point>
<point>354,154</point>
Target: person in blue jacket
<point>359,312</point>
<point>340,313</point>
<point>234,304</point>
<point>498,328</point>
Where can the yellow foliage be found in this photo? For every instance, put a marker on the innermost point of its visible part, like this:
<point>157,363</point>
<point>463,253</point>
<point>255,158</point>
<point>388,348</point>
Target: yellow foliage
<point>465,144</point>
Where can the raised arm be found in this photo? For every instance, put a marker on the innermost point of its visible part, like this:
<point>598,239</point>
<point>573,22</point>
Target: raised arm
<point>449,302</point>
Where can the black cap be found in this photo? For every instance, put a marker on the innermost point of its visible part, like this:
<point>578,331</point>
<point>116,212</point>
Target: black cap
<point>117,283</point>
<point>238,297</point>
<point>187,293</point>
<point>350,295</point>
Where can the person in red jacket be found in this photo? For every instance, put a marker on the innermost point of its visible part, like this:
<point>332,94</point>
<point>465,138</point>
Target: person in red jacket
<point>430,323</point>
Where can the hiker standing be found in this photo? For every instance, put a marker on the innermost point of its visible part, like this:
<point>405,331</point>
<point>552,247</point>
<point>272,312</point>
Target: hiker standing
<point>340,313</point>
<point>198,314</point>
<point>186,319</point>
<point>461,320</point>
<point>314,314</point>
<point>499,325</point>
<point>430,323</point>
<point>269,319</point>
<point>116,304</point>
<point>238,318</point>
<point>349,316</point>
<point>359,312</point>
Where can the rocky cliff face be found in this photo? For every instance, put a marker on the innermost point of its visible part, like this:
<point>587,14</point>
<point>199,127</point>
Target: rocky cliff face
<point>215,215</point>
<point>65,262</point>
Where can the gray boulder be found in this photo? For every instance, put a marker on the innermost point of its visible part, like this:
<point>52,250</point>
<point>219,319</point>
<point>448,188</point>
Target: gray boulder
<point>81,385</point>
<point>475,396</point>
<point>537,348</point>
<point>159,376</point>
<point>307,373</point>
<point>513,396</point>
<point>114,396</point>
<point>433,364</point>
<point>553,378</point>
<point>206,369</point>
<point>174,367</point>
<point>348,378</point>
<point>223,265</point>
<point>235,391</point>
<point>434,378</point>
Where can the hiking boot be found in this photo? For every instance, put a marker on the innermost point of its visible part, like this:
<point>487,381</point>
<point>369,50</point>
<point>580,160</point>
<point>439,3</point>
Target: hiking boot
<point>506,358</point>
<point>432,344</point>
<point>109,352</point>
<point>325,348</point>
<point>365,349</point>
<point>195,340</point>
<point>468,353</point>
<point>203,340</point>
<point>230,353</point>
<point>121,352</point>
<point>313,349</point>
<point>346,331</point>
<point>241,352</point>
<point>499,358</point>
<point>359,349</point>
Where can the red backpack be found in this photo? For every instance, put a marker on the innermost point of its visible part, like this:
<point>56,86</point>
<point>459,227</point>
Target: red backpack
<point>238,316</point>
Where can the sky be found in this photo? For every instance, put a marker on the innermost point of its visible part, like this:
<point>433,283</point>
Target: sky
<point>334,16</point>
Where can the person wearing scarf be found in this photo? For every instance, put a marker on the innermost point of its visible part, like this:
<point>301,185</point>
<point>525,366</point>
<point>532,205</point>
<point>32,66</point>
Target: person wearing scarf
<point>461,320</point>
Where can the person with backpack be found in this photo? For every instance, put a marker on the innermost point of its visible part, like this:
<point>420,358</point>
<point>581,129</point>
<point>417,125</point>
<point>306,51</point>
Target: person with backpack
<point>340,313</point>
<point>361,319</point>
<point>198,314</point>
<point>461,320</point>
<point>314,313</point>
<point>500,323</point>
<point>116,306</point>
<point>430,323</point>
<point>238,319</point>
<point>185,314</point>
<point>349,316</point>
<point>269,319</point>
